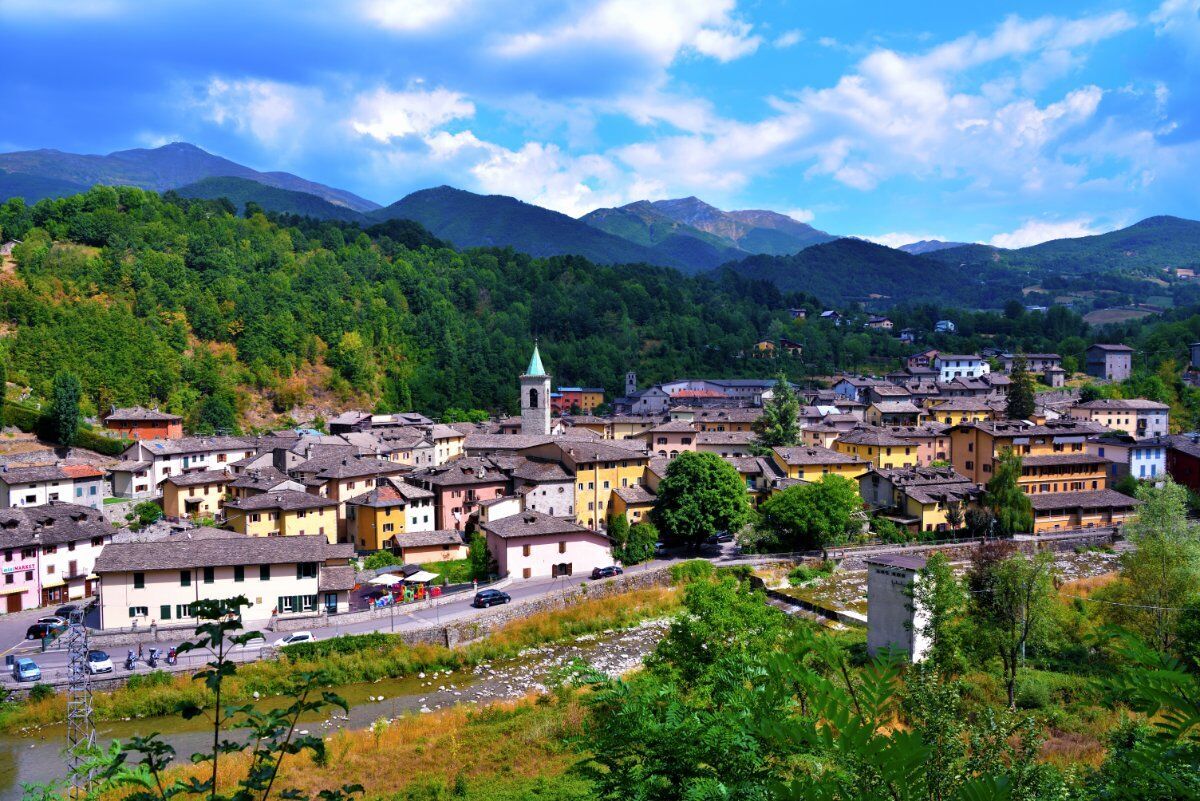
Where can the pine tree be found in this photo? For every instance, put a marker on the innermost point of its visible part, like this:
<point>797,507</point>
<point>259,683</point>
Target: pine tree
<point>1020,392</point>
<point>779,425</point>
<point>64,408</point>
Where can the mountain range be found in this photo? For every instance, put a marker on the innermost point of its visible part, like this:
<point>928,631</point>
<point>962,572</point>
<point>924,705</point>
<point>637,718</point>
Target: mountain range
<point>685,233</point>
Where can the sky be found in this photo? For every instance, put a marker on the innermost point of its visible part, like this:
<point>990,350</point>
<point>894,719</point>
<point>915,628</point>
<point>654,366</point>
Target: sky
<point>887,120</point>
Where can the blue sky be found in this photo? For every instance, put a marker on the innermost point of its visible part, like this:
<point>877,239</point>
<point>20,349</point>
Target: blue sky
<point>895,121</point>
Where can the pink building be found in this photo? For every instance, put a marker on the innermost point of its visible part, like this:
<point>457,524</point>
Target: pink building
<point>535,545</point>
<point>671,439</point>
<point>458,487</point>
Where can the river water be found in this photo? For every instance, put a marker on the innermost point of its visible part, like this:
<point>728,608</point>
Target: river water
<point>37,756</point>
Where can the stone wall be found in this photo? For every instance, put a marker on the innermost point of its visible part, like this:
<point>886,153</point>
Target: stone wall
<point>856,559</point>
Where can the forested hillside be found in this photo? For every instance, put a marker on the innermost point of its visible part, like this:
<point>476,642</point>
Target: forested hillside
<point>181,303</point>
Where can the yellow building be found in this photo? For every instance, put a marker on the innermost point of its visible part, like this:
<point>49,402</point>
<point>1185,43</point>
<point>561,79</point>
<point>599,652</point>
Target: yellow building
<point>879,447</point>
<point>1054,455</point>
<point>635,503</point>
<point>599,468</point>
<point>919,497</point>
<point>955,411</point>
<point>894,413</point>
<point>1073,510</point>
<point>809,463</point>
<point>195,495</point>
<point>629,426</point>
<point>283,514</point>
<point>375,519</point>
<point>821,436</point>
<point>422,547</point>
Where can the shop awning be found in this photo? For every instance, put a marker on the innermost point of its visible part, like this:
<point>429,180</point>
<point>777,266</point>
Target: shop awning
<point>422,577</point>
<point>12,590</point>
<point>386,579</point>
<point>50,584</point>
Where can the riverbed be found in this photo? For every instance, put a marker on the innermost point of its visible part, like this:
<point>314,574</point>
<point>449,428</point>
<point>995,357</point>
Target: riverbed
<point>37,756</point>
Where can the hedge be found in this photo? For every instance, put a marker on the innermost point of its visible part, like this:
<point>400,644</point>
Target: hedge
<point>32,420</point>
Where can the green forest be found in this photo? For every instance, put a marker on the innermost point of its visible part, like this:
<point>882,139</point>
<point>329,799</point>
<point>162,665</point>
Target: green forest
<point>183,303</point>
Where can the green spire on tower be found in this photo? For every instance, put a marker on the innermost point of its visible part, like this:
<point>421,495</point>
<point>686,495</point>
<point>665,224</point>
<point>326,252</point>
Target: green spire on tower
<point>535,363</point>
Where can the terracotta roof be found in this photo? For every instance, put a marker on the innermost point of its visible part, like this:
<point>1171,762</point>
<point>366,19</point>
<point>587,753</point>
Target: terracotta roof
<point>82,471</point>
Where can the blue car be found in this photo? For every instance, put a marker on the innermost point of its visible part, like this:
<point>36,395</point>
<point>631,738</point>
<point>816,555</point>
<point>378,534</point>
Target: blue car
<point>25,669</point>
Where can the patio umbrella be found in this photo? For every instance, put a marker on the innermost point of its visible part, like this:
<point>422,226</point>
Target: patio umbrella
<point>386,579</point>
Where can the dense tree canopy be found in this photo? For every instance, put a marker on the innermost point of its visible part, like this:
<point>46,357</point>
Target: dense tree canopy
<point>700,495</point>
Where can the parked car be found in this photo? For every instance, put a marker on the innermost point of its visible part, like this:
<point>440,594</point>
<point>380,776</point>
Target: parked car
<point>719,538</point>
<point>53,620</point>
<point>99,662</point>
<point>25,669</point>
<point>486,598</point>
<point>40,629</point>
<point>295,637</point>
<point>65,611</point>
<point>660,549</point>
<point>255,641</point>
<point>606,572</point>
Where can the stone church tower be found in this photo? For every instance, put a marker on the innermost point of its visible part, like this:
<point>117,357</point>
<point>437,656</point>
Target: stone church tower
<point>535,397</point>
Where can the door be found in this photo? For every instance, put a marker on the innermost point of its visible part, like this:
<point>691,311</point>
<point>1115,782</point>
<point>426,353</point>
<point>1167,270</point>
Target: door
<point>13,603</point>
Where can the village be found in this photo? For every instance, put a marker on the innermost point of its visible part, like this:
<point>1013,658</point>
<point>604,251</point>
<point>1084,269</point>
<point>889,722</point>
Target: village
<point>286,518</point>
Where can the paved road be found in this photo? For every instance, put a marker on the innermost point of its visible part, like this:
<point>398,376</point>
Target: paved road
<point>54,661</point>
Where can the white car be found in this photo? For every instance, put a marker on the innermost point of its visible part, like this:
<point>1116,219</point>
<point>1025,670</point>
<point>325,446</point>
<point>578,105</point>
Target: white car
<point>295,637</point>
<point>99,662</point>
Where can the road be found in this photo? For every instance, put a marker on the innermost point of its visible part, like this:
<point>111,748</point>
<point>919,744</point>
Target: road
<point>54,661</point>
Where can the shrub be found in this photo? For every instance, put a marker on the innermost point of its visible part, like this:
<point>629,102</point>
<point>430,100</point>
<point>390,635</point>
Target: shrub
<point>146,681</point>
<point>40,692</point>
<point>381,559</point>
<point>691,570</point>
<point>802,574</point>
<point>1033,692</point>
<point>887,531</point>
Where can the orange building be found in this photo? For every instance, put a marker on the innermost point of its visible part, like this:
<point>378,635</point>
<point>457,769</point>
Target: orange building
<point>138,423</point>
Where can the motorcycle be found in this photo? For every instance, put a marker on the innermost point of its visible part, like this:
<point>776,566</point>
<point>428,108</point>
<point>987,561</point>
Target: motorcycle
<point>153,660</point>
<point>172,657</point>
<point>131,661</point>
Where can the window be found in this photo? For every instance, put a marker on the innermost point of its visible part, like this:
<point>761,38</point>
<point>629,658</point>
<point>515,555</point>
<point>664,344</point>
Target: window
<point>525,552</point>
<point>97,542</point>
<point>562,547</point>
<point>50,570</point>
<point>164,612</point>
<point>185,578</point>
<point>183,610</point>
<point>306,570</point>
<point>139,611</point>
<point>388,527</point>
<point>264,572</point>
<point>239,573</point>
<point>139,581</point>
<point>209,576</point>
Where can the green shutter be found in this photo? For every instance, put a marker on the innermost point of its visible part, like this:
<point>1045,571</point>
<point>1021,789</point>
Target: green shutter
<point>165,612</point>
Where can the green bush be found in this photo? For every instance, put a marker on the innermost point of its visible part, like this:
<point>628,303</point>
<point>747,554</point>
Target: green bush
<point>691,570</point>
<point>343,644</point>
<point>803,574</point>
<point>887,531</point>
<point>381,559</point>
<point>144,681</point>
<point>1033,691</point>
<point>40,692</point>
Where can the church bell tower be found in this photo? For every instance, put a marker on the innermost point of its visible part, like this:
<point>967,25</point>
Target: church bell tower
<point>535,397</point>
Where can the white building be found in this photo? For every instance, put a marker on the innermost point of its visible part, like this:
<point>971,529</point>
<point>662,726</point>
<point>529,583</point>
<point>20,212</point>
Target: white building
<point>146,463</point>
<point>534,545</point>
<point>892,621</point>
<point>157,582</point>
<point>950,366</point>
<point>33,486</point>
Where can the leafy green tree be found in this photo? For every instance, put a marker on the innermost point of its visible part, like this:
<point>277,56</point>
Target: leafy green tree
<point>1161,575</point>
<point>978,521</point>
<point>1008,503</point>
<point>1020,394</point>
<point>700,494</point>
<point>64,408</point>
<point>954,515</point>
<point>483,564</point>
<point>217,413</point>
<point>779,424</point>
<point>1010,605</point>
<point>1089,393</point>
<point>939,594</point>
<point>639,547</point>
<point>816,515</point>
<point>618,534</point>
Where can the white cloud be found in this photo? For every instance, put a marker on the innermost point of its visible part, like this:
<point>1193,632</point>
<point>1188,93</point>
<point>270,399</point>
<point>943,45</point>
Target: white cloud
<point>384,114</point>
<point>800,215</point>
<point>659,29</point>
<point>1034,232</point>
<point>267,110</point>
<point>789,38</point>
<point>898,238</point>
<point>411,16</point>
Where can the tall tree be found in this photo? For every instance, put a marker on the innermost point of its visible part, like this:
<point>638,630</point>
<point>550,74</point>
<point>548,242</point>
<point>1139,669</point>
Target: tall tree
<point>1162,574</point>
<point>1020,393</point>
<point>1005,498</point>
<point>1010,605</point>
<point>780,422</point>
<point>700,494</point>
<point>64,407</point>
<point>807,516</point>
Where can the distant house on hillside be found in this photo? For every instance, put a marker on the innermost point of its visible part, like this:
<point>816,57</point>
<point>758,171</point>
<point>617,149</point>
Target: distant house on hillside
<point>1111,362</point>
<point>945,327</point>
<point>880,323</point>
<point>138,423</point>
<point>831,315</point>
